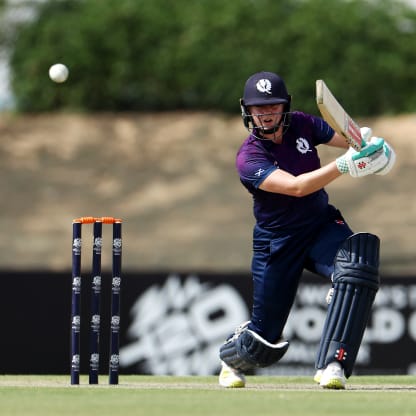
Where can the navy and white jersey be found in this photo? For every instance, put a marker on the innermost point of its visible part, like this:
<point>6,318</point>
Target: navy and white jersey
<point>297,154</point>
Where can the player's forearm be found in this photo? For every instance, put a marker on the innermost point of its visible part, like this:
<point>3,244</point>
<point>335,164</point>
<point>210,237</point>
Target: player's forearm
<point>284,183</point>
<point>310,182</point>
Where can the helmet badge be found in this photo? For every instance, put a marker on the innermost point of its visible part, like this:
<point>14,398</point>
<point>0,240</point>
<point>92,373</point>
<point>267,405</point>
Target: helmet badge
<point>264,86</point>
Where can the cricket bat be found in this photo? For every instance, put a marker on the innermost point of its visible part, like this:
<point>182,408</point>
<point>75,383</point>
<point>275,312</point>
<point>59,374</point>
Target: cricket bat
<point>335,115</point>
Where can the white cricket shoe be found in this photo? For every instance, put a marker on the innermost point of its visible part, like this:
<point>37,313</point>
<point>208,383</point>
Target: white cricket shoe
<point>229,377</point>
<point>318,375</point>
<point>332,377</point>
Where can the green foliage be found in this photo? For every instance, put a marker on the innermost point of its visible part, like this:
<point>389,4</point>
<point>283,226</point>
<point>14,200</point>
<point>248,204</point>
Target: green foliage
<point>180,54</point>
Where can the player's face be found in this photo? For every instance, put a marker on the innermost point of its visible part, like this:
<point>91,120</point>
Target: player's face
<point>266,116</point>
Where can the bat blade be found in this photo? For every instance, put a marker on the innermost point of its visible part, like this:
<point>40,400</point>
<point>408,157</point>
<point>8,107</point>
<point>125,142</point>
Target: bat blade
<point>335,115</point>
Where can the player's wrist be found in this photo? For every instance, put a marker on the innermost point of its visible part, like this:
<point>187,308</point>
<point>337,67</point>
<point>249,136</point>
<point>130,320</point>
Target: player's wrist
<point>342,164</point>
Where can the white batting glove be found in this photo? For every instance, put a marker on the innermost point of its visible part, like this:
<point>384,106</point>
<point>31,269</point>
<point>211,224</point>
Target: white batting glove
<point>391,159</point>
<point>370,159</point>
<point>366,133</point>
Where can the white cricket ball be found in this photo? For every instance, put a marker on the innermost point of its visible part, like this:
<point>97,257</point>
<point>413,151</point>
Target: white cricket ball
<point>58,73</point>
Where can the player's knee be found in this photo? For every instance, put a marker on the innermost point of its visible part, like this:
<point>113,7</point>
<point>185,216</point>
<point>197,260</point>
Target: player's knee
<point>357,261</point>
<point>248,350</point>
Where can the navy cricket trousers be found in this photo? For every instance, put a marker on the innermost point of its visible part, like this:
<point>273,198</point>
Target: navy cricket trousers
<point>279,258</point>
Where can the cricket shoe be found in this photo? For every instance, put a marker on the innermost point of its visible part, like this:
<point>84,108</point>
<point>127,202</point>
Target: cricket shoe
<point>229,377</point>
<point>332,377</point>
<point>318,375</point>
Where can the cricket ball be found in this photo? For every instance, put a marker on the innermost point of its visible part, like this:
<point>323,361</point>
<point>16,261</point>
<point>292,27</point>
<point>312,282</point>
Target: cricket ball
<point>58,73</point>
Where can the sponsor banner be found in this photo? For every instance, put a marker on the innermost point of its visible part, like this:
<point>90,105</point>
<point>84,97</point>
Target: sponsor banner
<point>174,323</point>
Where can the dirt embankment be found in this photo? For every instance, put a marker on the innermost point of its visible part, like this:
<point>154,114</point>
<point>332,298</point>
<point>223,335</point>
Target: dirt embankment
<point>171,177</point>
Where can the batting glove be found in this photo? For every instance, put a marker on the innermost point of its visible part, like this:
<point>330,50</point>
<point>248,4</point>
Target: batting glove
<point>370,159</point>
<point>366,133</point>
<point>391,159</point>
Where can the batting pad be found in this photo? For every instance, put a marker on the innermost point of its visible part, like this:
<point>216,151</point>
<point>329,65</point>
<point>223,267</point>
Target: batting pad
<point>247,350</point>
<point>355,284</point>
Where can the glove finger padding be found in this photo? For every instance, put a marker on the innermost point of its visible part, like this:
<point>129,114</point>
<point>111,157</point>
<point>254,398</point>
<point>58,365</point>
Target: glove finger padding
<point>391,159</point>
<point>372,146</point>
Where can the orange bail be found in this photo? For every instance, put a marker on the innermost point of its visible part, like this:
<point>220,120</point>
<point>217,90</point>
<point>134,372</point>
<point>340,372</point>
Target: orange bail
<point>91,220</point>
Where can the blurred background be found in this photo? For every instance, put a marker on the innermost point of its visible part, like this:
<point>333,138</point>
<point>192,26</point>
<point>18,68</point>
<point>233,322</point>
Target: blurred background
<point>148,123</point>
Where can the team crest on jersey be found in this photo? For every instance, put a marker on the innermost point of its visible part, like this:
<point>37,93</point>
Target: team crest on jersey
<point>303,145</point>
<point>264,85</point>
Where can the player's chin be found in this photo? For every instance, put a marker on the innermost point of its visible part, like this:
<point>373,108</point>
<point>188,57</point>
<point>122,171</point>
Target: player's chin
<point>267,127</point>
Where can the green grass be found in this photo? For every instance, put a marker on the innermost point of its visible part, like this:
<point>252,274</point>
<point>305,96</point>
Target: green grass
<point>181,396</point>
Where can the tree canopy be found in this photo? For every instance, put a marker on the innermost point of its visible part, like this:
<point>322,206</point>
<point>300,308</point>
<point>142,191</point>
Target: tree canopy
<point>161,55</point>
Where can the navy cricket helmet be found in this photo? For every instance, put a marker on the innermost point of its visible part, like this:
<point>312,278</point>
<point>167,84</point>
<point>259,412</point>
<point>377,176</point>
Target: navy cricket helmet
<point>265,88</point>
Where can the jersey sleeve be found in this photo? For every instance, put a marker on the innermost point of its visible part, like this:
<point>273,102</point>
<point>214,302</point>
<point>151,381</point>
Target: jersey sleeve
<point>254,168</point>
<point>323,132</point>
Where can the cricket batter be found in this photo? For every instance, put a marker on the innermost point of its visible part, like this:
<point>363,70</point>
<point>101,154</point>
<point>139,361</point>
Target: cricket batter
<point>296,228</point>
